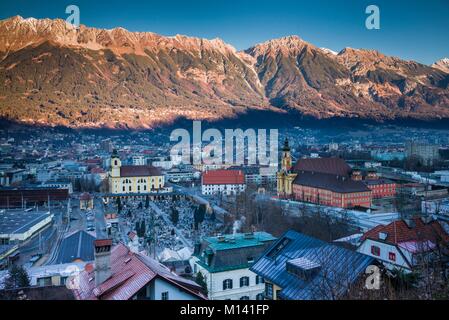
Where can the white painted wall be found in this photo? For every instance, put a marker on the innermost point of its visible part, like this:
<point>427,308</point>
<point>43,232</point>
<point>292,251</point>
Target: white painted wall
<point>174,292</point>
<point>227,189</point>
<point>215,283</point>
<point>385,250</point>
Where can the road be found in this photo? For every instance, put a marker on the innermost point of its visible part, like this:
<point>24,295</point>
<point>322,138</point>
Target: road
<point>100,221</point>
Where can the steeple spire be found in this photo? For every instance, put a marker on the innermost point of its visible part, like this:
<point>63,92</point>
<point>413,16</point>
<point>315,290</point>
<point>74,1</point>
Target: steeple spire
<point>286,147</point>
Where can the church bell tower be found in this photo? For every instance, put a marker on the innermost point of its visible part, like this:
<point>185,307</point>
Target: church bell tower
<point>116,163</point>
<point>286,164</point>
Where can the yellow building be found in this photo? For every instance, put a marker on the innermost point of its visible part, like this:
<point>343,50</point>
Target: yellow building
<point>285,176</point>
<point>134,179</point>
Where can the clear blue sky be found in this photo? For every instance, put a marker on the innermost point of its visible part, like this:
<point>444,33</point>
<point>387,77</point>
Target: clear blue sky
<point>417,30</point>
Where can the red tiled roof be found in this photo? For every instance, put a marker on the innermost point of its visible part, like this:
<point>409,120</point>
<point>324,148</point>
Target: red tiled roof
<point>130,272</point>
<point>139,171</point>
<point>223,177</point>
<point>399,232</point>
<point>333,166</point>
<point>102,243</point>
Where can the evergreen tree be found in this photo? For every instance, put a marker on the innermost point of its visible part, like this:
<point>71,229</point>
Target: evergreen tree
<point>201,282</point>
<point>119,206</point>
<point>17,278</point>
<point>147,202</point>
<point>174,216</point>
<point>143,229</point>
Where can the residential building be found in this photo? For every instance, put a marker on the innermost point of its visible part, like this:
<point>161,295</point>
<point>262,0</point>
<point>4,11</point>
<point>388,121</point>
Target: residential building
<point>162,163</point>
<point>437,207</point>
<point>426,152</point>
<point>139,161</point>
<point>224,262</point>
<point>177,175</point>
<point>54,275</point>
<point>76,247</point>
<point>120,274</point>
<point>227,182</point>
<point>403,244</point>
<point>299,267</point>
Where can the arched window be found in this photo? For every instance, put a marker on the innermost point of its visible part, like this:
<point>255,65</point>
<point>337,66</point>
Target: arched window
<point>244,298</point>
<point>115,163</point>
<point>244,282</point>
<point>227,284</point>
<point>259,296</point>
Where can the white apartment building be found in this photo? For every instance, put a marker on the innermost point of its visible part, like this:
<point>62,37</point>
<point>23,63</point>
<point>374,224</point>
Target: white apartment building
<point>227,182</point>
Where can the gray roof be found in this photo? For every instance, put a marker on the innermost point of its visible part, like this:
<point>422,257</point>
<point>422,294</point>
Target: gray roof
<point>18,222</point>
<point>338,267</point>
<point>339,184</point>
<point>78,246</point>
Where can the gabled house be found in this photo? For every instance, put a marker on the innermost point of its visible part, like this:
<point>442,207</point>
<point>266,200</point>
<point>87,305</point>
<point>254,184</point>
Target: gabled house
<point>228,182</point>
<point>76,247</point>
<point>299,267</point>
<point>402,244</point>
<point>224,262</point>
<point>120,274</point>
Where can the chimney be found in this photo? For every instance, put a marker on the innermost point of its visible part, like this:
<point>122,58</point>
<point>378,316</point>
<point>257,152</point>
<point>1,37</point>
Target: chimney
<point>102,260</point>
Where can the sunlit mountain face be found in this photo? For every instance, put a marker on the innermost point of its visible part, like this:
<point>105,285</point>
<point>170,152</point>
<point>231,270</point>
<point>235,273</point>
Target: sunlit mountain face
<point>54,74</point>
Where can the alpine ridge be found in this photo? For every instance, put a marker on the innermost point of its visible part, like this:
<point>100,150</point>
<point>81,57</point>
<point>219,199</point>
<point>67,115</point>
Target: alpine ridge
<point>54,74</point>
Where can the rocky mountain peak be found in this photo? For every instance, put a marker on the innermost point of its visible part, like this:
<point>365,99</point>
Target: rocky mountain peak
<point>442,65</point>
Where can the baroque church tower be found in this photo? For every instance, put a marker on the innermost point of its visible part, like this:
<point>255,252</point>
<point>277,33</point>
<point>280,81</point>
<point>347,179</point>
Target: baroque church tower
<point>285,176</point>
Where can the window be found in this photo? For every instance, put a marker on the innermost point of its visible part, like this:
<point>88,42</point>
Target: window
<point>392,256</point>
<point>278,293</point>
<point>375,251</point>
<point>244,298</point>
<point>165,296</point>
<point>259,280</point>
<point>259,296</point>
<point>44,282</point>
<point>269,290</point>
<point>278,248</point>
<point>244,282</point>
<point>227,284</point>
